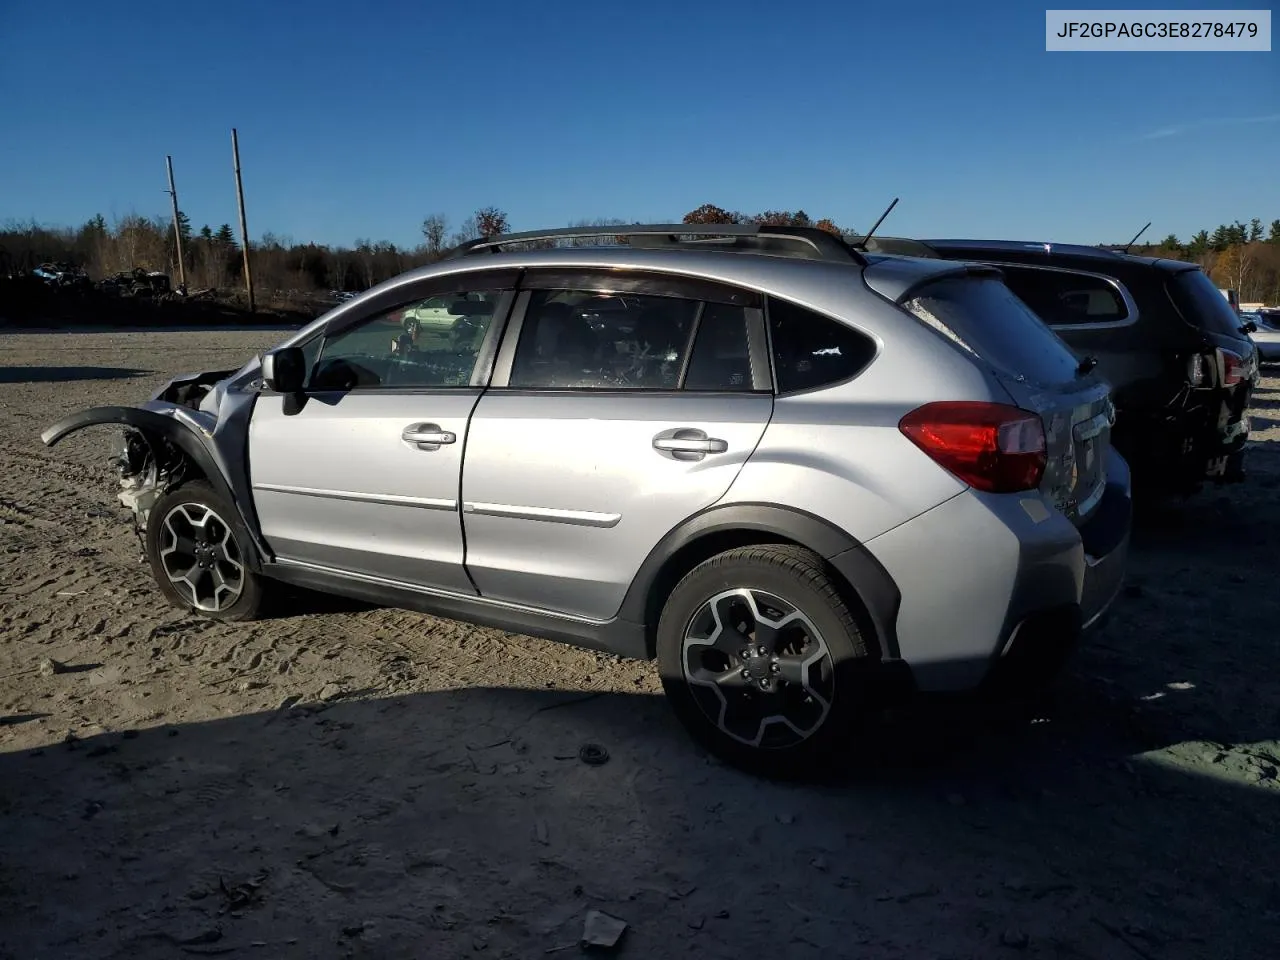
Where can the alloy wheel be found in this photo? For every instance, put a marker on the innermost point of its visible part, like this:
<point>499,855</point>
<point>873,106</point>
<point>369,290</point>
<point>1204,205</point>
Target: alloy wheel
<point>201,558</point>
<point>758,668</point>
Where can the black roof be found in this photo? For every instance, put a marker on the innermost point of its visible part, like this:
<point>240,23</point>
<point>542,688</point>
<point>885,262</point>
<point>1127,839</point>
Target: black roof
<point>1029,252</point>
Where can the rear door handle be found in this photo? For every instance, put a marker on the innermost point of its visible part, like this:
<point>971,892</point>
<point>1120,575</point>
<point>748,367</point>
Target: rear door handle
<point>427,436</point>
<point>688,444</point>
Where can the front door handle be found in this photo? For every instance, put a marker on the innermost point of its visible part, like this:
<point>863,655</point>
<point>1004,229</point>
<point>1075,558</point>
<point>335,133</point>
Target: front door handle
<point>688,444</point>
<point>427,436</point>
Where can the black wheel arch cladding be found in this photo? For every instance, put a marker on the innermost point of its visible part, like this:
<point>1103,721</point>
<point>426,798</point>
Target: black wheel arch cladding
<point>187,440</point>
<point>724,527</point>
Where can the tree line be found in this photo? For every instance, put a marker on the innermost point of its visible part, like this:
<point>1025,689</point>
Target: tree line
<point>1239,255</point>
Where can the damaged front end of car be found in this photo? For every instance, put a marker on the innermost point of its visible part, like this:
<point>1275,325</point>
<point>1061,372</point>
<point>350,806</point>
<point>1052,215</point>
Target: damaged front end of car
<point>194,427</point>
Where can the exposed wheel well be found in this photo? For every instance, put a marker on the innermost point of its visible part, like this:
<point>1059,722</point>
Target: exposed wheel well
<point>175,465</point>
<point>707,546</point>
<point>165,451</point>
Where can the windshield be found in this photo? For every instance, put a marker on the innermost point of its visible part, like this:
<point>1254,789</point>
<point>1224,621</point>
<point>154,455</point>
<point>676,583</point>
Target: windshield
<point>1202,304</point>
<point>986,318</point>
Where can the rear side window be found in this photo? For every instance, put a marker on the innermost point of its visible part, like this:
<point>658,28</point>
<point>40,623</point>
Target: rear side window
<point>812,351</point>
<point>1066,299</point>
<point>1202,304</point>
<point>984,317</point>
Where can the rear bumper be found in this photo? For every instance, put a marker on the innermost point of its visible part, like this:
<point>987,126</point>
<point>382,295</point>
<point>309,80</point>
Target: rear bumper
<point>999,585</point>
<point>1105,541</point>
<point>1181,447</point>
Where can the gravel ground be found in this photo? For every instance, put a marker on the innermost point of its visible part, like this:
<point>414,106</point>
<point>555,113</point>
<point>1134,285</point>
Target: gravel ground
<point>351,782</point>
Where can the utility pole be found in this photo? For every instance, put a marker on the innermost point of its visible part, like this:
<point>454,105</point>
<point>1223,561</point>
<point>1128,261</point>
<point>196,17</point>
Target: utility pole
<point>177,229</point>
<point>244,229</point>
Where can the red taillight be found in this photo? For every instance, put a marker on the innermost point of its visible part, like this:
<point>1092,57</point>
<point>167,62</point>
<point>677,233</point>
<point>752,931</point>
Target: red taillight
<point>1234,368</point>
<point>990,446</point>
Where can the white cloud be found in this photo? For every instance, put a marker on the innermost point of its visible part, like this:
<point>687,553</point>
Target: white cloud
<point>1180,129</point>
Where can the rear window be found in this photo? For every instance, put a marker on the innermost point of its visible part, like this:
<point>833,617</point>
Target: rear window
<point>987,319</point>
<point>1202,304</point>
<point>1064,298</point>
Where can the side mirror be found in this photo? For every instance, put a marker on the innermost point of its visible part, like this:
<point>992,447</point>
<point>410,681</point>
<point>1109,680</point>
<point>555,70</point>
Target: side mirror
<point>284,370</point>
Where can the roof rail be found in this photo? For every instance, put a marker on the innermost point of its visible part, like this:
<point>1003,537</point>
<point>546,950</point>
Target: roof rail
<point>1074,249</point>
<point>810,242</point>
<point>897,246</point>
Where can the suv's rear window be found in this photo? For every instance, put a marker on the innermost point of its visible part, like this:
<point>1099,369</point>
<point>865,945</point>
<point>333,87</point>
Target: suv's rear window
<point>1202,304</point>
<point>985,317</point>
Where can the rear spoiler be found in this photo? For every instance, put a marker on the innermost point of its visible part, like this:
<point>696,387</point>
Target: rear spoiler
<point>898,278</point>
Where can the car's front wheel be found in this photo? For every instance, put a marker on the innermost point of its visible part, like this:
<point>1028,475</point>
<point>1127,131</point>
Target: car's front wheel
<point>197,554</point>
<point>763,661</point>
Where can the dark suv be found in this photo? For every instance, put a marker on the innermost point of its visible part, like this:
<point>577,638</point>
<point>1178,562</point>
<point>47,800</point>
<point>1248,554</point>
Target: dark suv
<point>1180,359</point>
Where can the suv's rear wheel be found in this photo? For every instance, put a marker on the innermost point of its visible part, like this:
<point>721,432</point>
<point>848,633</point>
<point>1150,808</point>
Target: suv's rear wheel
<point>762,660</point>
<point>197,554</point>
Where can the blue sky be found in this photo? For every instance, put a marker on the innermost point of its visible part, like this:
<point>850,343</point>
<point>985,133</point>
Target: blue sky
<point>359,119</point>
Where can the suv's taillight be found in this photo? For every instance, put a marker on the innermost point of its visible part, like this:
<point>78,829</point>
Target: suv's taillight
<point>990,446</point>
<point>1195,369</point>
<point>1234,367</point>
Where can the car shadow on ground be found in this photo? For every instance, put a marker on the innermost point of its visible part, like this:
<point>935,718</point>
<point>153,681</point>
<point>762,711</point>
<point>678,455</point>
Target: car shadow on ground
<point>292,601</point>
<point>445,823</point>
<point>1265,400</point>
<point>67,374</point>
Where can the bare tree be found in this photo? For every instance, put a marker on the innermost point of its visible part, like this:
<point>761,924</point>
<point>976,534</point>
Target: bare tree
<point>599,222</point>
<point>139,243</point>
<point>366,257</point>
<point>434,230</point>
<point>1234,269</point>
<point>339,259</point>
<point>466,231</point>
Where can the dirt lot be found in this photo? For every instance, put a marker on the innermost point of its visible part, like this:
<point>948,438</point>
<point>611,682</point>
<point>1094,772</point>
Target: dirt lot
<point>371,783</point>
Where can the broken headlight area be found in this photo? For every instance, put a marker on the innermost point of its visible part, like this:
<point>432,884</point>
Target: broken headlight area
<point>191,390</point>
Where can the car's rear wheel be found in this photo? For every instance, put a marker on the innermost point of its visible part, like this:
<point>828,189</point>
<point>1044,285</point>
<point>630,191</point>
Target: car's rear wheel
<point>763,661</point>
<point>197,552</point>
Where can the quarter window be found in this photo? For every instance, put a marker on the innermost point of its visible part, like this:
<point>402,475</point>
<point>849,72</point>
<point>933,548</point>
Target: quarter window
<point>1062,298</point>
<point>586,340</point>
<point>812,351</point>
<point>431,343</point>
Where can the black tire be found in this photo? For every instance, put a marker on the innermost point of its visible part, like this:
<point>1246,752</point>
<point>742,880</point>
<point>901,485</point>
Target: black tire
<point>186,509</point>
<point>799,579</point>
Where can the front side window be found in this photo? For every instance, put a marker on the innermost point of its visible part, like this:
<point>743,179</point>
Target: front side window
<point>431,343</point>
<point>581,340</point>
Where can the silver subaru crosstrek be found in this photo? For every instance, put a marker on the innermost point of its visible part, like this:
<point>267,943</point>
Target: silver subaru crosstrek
<point>793,472</point>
